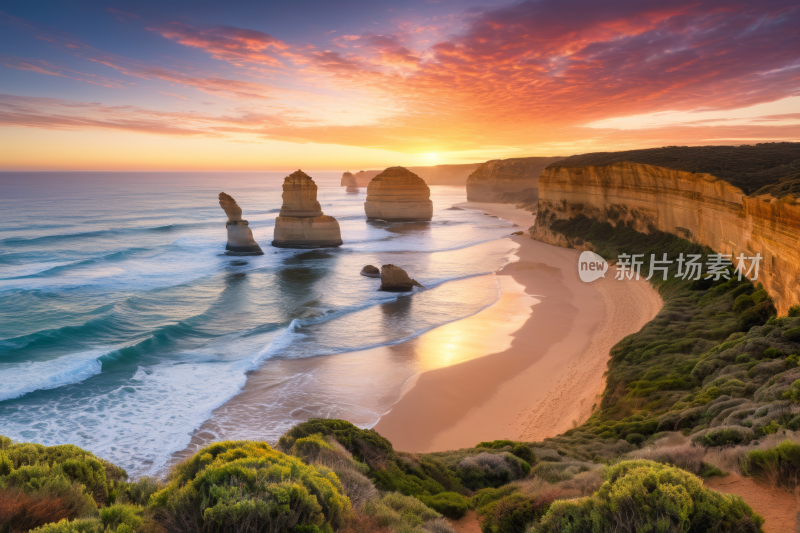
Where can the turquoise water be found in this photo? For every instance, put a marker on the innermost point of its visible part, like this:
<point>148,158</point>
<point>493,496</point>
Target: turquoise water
<point>124,324</point>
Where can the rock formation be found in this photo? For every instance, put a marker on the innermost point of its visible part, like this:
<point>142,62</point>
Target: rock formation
<point>240,237</point>
<point>301,223</point>
<point>699,207</point>
<point>395,279</point>
<point>371,271</point>
<point>397,194</point>
<point>498,181</point>
<point>350,182</point>
<point>362,177</point>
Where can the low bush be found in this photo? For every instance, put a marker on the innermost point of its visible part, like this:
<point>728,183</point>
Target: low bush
<point>648,496</point>
<point>779,465</point>
<point>400,513</point>
<point>231,483</point>
<point>512,513</point>
<point>450,504</point>
<point>520,449</point>
<point>491,470</point>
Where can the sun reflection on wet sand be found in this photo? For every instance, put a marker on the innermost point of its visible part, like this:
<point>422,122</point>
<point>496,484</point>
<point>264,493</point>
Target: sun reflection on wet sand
<point>484,333</point>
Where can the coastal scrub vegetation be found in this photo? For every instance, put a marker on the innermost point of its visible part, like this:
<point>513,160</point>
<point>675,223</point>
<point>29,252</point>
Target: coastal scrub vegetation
<point>715,364</point>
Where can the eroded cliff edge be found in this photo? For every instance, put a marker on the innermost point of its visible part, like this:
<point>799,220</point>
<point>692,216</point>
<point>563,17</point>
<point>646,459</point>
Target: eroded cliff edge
<point>697,206</point>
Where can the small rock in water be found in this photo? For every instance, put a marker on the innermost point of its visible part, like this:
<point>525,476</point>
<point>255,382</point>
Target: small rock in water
<point>371,271</point>
<point>395,279</point>
<point>518,233</point>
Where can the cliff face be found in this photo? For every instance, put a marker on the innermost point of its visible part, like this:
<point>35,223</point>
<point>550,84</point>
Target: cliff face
<point>699,207</point>
<point>493,180</point>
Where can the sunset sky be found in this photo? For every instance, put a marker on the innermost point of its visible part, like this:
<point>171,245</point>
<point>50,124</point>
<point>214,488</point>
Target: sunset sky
<point>337,85</point>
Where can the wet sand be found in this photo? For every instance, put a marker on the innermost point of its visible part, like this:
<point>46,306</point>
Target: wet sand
<point>547,377</point>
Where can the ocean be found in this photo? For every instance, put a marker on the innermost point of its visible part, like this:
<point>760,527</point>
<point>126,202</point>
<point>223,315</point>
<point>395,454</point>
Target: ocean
<point>124,324</point>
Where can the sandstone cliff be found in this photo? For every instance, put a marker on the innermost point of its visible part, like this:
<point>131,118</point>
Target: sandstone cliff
<point>495,180</point>
<point>697,206</point>
<point>301,223</point>
<point>398,194</point>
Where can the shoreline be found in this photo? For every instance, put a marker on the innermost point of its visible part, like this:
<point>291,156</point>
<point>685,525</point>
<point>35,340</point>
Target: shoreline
<point>527,367</point>
<point>548,378</point>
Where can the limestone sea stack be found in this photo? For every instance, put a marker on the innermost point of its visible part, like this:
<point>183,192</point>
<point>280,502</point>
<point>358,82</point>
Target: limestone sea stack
<point>301,223</point>
<point>395,279</point>
<point>397,194</point>
<point>350,182</point>
<point>240,237</point>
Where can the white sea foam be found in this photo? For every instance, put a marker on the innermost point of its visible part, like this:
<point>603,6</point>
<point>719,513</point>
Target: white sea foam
<point>21,378</point>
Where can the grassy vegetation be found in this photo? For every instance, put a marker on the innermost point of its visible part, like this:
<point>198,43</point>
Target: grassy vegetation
<point>714,364</point>
<point>765,168</point>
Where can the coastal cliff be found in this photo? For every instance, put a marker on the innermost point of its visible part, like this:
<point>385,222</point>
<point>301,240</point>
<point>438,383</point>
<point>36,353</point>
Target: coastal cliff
<point>699,207</point>
<point>502,180</point>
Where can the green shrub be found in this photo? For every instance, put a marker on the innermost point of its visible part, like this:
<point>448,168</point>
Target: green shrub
<point>648,496</point>
<point>773,353</point>
<point>780,464</point>
<point>743,302</point>
<point>794,311</point>
<point>399,512</point>
<point>725,436</point>
<point>31,466</point>
<point>234,482</point>
<point>366,445</point>
<point>491,470</point>
<point>792,334</point>
<point>450,504</point>
<point>635,438</point>
<point>793,392</point>
<point>521,450</point>
<point>85,525</point>
<point>513,513</point>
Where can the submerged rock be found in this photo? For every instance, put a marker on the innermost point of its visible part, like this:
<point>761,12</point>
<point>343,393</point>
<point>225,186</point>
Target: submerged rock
<point>371,271</point>
<point>301,223</point>
<point>397,194</point>
<point>395,279</point>
<point>240,237</point>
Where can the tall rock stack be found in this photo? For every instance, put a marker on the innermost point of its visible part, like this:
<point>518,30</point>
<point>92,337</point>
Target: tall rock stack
<point>349,181</point>
<point>240,237</point>
<point>397,194</point>
<point>301,223</point>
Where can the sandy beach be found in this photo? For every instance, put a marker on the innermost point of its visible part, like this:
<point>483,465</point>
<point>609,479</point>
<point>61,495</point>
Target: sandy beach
<point>538,381</point>
<point>527,367</point>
